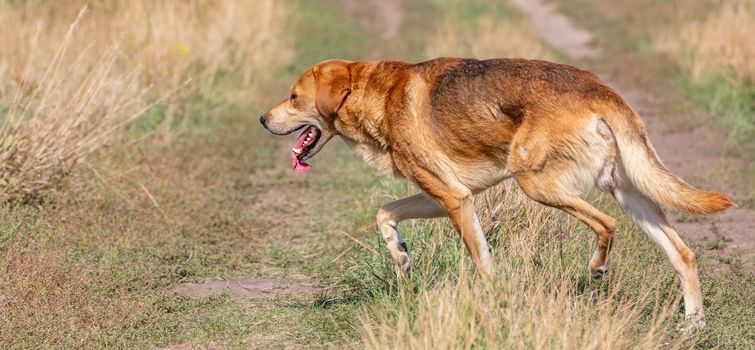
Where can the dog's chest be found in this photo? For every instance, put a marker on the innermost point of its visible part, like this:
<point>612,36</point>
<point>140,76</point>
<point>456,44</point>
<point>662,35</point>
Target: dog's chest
<point>377,157</point>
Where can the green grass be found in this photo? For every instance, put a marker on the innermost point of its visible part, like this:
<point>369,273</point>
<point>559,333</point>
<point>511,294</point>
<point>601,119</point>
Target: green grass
<point>731,101</point>
<point>95,268</point>
<point>325,35</point>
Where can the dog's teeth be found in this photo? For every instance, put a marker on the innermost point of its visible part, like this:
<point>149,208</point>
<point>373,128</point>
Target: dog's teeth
<point>296,150</point>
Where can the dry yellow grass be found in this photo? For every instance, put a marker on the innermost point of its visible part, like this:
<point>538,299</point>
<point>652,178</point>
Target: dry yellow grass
<point>720,44</point>
<point>69,83</point>
<point>167,41</point>
<point>487,36</point>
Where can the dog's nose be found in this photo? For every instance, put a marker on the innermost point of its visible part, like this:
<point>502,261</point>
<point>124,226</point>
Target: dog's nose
<point>263,119</point>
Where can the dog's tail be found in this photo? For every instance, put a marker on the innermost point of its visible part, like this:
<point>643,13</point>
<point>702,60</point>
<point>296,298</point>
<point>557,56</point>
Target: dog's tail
<point>648,174</point>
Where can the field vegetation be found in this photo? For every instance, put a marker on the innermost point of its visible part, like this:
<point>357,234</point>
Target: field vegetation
<point>700,48</point>
<point>71,82</point>
<point>100,173</point>
<point>131,160</point>
<point>714,52</point>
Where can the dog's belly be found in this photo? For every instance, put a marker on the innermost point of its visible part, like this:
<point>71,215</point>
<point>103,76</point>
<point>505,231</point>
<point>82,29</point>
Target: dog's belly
<point>478,177</point>
<point>474,175</point>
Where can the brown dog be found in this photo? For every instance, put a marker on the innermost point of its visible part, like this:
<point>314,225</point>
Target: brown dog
<point>456,127</point>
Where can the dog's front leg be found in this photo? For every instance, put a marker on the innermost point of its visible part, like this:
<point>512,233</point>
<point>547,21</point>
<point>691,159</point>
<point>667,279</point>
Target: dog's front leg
<point>389,215</point>
<point>457,201</point>
<point>463,215</point>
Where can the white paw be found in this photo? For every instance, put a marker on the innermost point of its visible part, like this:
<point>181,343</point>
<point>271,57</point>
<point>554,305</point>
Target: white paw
<point>691,324</point>
<point>601,271</point>
<point>598,273</point>
<point>404,261</point>
<point>400,254</point>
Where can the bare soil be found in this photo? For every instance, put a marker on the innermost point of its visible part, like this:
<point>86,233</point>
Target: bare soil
<point>688,144</point>
<point>251,288</point>
<point>379,17</point>
<point>557,30</point>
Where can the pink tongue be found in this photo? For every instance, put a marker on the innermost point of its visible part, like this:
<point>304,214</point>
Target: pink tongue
<point>296,164</point>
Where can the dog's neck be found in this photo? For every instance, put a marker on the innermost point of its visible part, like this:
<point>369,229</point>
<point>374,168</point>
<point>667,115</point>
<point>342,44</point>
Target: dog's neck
<point>362,121</point>
<point>362,118</point>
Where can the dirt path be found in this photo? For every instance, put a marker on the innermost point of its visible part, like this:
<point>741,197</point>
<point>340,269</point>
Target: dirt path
<point>557,30</point>
<point>690,151</point>
<point>383,18</point>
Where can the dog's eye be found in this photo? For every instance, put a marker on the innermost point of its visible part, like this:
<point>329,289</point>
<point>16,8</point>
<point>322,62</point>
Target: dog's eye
<point>293,96</point>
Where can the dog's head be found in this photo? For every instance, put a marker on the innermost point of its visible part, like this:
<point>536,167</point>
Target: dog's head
<point>312,105</point>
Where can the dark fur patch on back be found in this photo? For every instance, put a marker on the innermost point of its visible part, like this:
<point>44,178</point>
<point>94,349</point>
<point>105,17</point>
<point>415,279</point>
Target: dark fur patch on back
<point>460,74</point>
<point>515,112</point>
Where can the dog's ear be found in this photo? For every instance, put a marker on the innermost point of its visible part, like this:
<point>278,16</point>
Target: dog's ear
<point>332,84</point>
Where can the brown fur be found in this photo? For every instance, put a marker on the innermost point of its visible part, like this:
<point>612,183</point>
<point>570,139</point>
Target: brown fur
<point>456,127</point>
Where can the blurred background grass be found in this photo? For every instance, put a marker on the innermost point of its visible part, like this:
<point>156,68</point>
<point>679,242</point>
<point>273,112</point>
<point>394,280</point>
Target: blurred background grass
<point>131,160</point>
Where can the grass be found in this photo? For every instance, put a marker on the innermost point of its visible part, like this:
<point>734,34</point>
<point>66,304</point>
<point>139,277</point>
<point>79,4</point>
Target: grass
<point>53,123</point>
<point>716,43</point>
<point>714,55</point>
<point>483,29</point>
<point>95,264</point>
<point>732,102</point>
<point>72,82</point>
<point>541,296</point>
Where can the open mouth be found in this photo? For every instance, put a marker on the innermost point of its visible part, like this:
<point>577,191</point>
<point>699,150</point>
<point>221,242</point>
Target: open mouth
<point>302,148</point>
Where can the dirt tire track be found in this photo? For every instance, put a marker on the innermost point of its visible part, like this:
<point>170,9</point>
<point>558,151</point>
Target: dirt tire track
<point>251,288</point>
<point>380,17</point>
<point>557,30</point>
<point>689,152</point>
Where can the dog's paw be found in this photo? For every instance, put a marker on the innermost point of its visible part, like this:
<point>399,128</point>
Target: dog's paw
<point>691,324</point>
<point>402,257</point>
<point>600,272</point>
<point>404,261</point>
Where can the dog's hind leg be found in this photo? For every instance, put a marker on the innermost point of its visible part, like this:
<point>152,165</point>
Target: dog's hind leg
<point>555,172</point>
<point>539,189</point>
<point>389,215</point>
<point>651,219</point>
